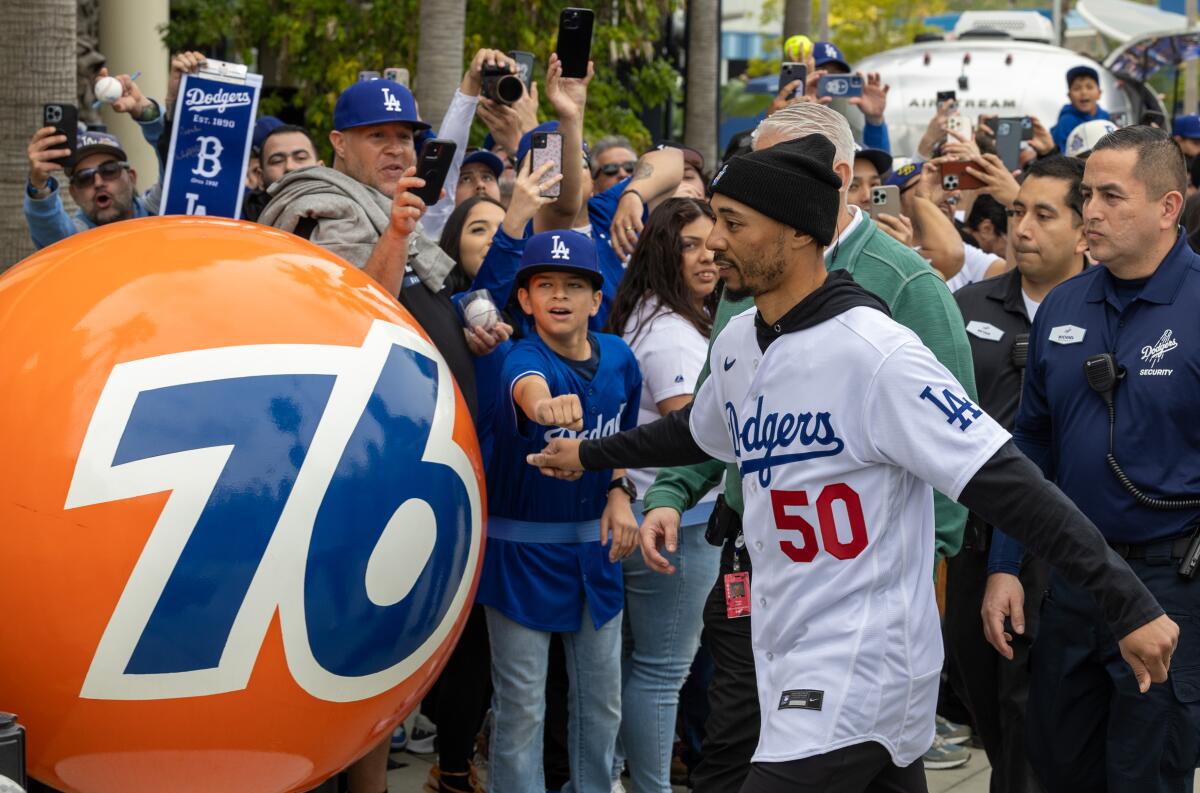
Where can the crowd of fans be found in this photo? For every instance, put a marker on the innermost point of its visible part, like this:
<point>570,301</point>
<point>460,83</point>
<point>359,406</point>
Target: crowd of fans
<point>582,666</point>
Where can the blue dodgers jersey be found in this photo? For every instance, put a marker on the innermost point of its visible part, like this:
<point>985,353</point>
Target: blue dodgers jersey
<point>544,585</point>
<point>601,208</point>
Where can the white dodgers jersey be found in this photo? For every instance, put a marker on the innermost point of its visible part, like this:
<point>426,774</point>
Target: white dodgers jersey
<point>838,431</point>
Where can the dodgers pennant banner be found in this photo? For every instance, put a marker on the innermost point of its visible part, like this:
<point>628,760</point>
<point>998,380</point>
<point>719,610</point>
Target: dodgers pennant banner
<point>210,146</point>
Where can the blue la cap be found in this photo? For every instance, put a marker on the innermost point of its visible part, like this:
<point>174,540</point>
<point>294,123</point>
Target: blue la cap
<point>1075,72</point>
<point>376,102</point>
<point>494,163</point>
<point>560,251</point>
<point>901,175</point>
<point>1187,127</point>
<point>262,128</point>
<point>826,52</point>
<point>96,142</point>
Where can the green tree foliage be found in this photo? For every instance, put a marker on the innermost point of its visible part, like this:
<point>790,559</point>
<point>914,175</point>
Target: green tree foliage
<point>319,46</point>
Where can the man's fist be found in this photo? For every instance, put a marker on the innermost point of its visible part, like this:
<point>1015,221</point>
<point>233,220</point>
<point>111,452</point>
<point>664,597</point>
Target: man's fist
<point>1148,651</point>
<point>561,411</point>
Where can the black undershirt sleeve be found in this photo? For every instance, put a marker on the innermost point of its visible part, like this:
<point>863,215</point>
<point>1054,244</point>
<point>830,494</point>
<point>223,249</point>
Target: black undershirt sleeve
<point>659,444</point>
<point>1010,492</point>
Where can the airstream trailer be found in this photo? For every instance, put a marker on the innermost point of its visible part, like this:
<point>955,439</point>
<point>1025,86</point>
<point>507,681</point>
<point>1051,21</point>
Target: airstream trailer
<point>992,75</point>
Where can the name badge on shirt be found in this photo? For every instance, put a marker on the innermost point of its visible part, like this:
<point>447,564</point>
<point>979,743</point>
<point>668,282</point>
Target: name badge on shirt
<point>1067,334</point>
<point>984,330</point>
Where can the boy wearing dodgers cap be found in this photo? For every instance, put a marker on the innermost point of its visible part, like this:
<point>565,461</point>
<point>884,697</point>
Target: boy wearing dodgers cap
<point>554,546</point>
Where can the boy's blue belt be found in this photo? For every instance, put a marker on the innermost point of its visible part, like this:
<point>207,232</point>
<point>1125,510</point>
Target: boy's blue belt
<point>499,528</point>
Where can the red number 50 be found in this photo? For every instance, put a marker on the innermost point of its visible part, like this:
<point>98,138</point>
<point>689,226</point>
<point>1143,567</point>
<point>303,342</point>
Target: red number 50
<point>782,499</point>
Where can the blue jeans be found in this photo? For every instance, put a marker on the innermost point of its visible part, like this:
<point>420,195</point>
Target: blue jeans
<point>519,661</point>
<point>663,616</point>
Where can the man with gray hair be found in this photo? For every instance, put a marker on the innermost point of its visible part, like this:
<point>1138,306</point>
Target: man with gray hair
<point>917,298</point>
<point>613,159</point>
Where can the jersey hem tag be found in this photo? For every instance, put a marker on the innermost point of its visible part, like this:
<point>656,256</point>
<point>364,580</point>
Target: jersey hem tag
<point>802,699</point>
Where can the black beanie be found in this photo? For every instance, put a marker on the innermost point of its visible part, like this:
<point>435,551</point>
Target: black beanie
<point>792,182</point>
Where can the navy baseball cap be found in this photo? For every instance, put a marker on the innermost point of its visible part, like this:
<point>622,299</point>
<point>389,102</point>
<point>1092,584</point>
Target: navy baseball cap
<point>376,102</point>
<point>560,251</point>
<point>901,175</point>
<point>877,157</point>
<point>262,128</point>
<point>826,52</point>
<point>95,142</point>
<point>494,163</point>
<point>1075,72</point>
<point>1186,127</point>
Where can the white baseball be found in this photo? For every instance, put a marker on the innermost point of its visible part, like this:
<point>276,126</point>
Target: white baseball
<point>481,314</point>
<point>108,90</point>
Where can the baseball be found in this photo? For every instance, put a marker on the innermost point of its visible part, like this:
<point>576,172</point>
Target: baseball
<point>108,90</point>
<point>481,314</point>
<point>797,48</point>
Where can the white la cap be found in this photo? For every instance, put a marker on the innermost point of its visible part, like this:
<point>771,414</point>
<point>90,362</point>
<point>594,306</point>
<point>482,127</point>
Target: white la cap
<point>1084,137</point>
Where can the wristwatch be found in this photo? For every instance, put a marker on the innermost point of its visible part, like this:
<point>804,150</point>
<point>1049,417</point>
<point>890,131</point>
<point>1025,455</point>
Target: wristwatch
<point>45,192</point>
<point>626,484</point>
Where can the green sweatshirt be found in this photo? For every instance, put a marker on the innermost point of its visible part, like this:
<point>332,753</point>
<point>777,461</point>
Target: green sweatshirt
<point>918,299</point>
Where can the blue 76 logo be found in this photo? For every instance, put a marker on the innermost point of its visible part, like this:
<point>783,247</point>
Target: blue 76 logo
<point>317,480</point>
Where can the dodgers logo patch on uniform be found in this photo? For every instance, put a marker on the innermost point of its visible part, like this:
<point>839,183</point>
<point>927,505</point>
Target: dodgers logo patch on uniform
<point>954,407</point>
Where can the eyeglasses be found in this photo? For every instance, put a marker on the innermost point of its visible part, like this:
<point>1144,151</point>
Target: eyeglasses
<point>108,171</point>
<point>615,167</point>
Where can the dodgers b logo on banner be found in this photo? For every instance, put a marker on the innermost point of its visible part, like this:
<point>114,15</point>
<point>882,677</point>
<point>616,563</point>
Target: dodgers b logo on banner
<point>210,146</point>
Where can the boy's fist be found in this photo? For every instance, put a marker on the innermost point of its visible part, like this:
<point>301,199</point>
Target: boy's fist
<point>562,411</point>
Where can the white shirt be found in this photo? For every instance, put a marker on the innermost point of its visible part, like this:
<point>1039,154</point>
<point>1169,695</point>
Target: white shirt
<point>975,266</point>
<point>1031,305</point>
<point>670,352</point>
<point>456,126</point>
<point>839,431</point>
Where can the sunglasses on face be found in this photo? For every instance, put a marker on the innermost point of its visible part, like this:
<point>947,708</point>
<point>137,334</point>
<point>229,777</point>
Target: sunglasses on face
<point>613,168</point>
<point>108,171</point>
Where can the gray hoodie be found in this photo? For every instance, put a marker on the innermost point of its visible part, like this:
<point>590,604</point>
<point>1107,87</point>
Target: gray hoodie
<point>351,217</point>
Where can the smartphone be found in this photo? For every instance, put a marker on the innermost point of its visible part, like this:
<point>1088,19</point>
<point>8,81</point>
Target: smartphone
<point>840,85</point>
<point>1008,142</point>
<point>885,200</point>
<point>947,96</point>
<point>547,147</point>
<point>1026,127</point>
<point>366,76</point>
<point>65,120</point>
<point>397,74</point>
<point>574,46</point>
<point>790,72</point>
<point>955,177</point>
<point>433,166</point>
<point>525,62</point>
<point>960,124</point>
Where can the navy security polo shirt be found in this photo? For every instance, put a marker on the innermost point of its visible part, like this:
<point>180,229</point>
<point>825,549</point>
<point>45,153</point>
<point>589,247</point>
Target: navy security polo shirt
<point>1062,423</point>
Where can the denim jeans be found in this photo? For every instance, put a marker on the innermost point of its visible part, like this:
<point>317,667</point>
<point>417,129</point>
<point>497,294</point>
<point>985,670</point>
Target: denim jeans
<point>519,662</point>
<point>663,616</point>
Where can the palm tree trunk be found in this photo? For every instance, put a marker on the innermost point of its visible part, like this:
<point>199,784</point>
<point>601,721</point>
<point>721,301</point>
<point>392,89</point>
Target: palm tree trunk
<point>39,57</point>
<point>700,115</point>
<point>797,17</point>
<point>439,56</point>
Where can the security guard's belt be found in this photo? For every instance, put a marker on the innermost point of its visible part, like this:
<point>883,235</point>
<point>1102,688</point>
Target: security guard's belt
<point>1177,548</point>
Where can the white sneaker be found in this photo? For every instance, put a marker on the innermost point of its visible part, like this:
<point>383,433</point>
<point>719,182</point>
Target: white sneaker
<point>423,737</point>
<point>617,787</point>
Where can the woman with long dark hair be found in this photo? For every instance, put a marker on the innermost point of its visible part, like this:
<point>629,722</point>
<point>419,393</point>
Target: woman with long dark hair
<point>664,309</point>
